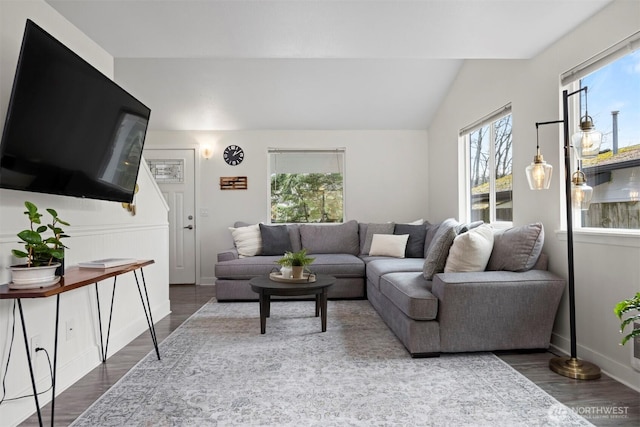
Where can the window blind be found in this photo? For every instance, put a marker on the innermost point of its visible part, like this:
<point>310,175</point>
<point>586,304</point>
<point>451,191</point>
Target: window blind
<point>620,49</point>
<point>489,118</point>
<point>306,161</point>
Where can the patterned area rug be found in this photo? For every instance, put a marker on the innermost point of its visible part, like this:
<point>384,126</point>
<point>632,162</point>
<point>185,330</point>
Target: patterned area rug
<point>218,370</point>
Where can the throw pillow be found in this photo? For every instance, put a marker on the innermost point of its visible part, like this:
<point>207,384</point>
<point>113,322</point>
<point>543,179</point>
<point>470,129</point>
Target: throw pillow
<point>392,245</point>
<point>375,229</point>
<point>275,239</point>
<point>331,239</point>
<point>247,240</point>
<point>463,228</point>
<point>439,248</point>
<point>471,250</point>
<point>517,248</point>
<point>432,229</point>
<point>415,244</point>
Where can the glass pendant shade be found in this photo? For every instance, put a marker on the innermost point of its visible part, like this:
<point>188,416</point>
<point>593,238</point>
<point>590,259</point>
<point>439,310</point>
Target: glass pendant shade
<point>587,141</point>
<point>539,173</point>
<point>581,193</point>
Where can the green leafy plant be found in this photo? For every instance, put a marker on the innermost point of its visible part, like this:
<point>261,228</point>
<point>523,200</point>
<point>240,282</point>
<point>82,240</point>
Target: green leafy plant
<point>626,306</point>
<point>296,259</point>
<point>41,250</point>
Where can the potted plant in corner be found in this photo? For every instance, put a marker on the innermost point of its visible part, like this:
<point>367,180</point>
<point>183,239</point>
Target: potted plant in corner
<point>626,306</point>
<point>43,254</point>
<point>298,261</point>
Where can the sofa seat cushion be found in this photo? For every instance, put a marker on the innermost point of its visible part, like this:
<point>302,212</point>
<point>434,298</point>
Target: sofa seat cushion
<point>379,266</point>
<point>337,265</point>
<point>411,293</point>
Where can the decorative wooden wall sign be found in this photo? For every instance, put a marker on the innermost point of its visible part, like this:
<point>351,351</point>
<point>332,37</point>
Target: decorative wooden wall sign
<point>233,182</point>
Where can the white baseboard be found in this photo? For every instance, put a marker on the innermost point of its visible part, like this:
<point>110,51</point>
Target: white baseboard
<point>620,372</point>
<point>207,281</point>
<point>72,370</point>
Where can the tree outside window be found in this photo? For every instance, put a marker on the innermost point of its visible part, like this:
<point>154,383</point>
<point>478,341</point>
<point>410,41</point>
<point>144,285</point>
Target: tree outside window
<point>490,171</point>
<point>306,186</point>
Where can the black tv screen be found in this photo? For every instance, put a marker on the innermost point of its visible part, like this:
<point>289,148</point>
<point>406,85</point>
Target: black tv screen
<point>69,129</point>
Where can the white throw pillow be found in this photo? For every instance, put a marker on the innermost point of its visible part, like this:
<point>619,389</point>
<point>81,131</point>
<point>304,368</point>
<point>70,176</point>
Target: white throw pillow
<point>248,240</point>
<point>392,245</point>
<point>471,250</point>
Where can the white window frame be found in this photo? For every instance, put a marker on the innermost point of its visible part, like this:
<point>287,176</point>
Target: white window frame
<point>570,80</point>
<point>465,166</point>
<point>337,150</point>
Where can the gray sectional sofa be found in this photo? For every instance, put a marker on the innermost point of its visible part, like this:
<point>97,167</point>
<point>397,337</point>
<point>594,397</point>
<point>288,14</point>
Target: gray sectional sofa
<point>420,288</point>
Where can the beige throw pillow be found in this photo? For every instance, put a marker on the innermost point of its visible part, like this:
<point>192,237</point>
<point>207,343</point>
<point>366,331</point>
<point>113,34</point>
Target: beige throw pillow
<point>392,245</point>
<point>471,250</point>
<point>247,240</point>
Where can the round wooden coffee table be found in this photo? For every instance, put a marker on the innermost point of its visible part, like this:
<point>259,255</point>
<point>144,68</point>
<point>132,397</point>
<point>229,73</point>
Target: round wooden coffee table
<point>266,287</point>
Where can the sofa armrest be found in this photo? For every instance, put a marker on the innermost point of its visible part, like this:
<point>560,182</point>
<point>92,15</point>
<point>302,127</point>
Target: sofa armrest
<point>228,255</point>
<point>494,310</point>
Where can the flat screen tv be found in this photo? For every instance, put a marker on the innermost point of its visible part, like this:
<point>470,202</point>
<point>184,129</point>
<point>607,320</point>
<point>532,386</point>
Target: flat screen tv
<point>69,129</point>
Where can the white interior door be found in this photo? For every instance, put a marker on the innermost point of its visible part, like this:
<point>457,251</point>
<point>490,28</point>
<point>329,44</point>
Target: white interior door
<point>174,171</point>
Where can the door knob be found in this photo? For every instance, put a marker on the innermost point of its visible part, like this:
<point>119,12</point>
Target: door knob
<point>190,227</point>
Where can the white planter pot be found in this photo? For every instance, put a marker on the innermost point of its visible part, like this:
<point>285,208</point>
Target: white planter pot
<point>23,277</point>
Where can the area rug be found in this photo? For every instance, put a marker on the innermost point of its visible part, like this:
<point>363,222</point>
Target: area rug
<point>218,370</point>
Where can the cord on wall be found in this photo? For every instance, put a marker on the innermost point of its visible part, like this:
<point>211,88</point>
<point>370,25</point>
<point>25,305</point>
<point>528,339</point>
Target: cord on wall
<point>6,369</point>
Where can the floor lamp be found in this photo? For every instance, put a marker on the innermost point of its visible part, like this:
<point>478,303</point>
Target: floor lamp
<point>586,143</point>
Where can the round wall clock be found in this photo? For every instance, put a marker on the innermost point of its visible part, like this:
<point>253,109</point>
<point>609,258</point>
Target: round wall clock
<point>233,155</point>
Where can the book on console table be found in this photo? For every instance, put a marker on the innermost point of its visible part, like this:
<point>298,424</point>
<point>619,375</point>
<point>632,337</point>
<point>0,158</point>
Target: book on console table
<point>107,263</point>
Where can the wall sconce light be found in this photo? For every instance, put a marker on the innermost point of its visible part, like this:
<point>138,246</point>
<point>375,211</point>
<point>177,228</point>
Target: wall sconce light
<point>577,195</point>
<point>207,151</point>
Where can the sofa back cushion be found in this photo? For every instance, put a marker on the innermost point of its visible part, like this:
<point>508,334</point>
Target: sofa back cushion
<point>517,248</point>
<point>294,235</point>
<point>331,239</point>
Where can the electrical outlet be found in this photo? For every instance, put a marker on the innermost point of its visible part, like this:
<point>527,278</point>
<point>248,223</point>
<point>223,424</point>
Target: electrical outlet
<point>71,329</point>
<point>36,342</point>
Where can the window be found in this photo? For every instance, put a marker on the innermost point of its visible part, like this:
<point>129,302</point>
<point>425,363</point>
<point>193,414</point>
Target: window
<point>488,144</point>
<point>613,81</point>
<point>306,185</point>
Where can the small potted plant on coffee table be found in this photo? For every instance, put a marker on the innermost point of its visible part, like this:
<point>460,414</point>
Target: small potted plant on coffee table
<point>298,261</point>
<point>43,254</point>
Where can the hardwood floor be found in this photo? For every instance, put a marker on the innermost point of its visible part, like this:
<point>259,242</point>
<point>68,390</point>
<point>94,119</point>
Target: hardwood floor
<point>603,402</point>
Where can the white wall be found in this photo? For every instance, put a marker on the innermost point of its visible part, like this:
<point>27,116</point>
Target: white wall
<point>386,177</point>
<point>607,268</point>
<point>98,229</point>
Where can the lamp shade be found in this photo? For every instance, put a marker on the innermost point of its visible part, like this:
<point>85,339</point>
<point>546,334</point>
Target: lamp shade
<point>539,173</point>
<point>581,193</point>
<point>587,141</point>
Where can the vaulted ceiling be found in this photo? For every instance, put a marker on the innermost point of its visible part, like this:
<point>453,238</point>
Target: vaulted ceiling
<point>309,64</point>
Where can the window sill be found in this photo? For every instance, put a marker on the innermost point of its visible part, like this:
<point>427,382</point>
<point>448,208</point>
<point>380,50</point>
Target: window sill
<point>604,236</point>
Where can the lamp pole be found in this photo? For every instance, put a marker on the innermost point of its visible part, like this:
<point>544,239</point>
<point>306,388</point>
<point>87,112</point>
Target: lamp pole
<point>571,366</point>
